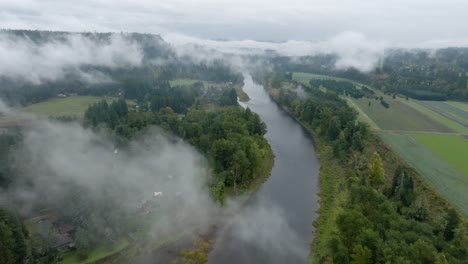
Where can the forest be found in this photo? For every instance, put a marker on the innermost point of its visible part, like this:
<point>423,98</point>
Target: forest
<point>208,118</point>
<point>205,115</point>
<point>418,73</point>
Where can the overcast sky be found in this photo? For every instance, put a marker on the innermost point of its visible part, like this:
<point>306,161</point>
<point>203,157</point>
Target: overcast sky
<point>391,21</point>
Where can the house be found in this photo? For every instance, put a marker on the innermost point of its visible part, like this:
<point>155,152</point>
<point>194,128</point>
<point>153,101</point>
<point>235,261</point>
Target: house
<point>64,228</point>
<point>49,225</point>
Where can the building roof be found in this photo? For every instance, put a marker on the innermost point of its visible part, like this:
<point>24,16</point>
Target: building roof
<point>64,228</point>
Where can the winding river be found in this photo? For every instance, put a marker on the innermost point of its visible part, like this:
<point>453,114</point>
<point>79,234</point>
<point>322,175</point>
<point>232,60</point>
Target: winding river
<point>276,224</point>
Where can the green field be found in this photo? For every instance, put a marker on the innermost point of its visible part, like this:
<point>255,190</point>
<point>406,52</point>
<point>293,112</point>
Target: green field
<point>188,82</point>
<point>463,106</point>
<point>96,254</point>
<point>399,116</point>
<point>450,148</point>
<point>74,106</point>
<point>305,78</point>
<point>454,126</point>
<point>447,110</point>
<point>438,173</point>
<point>70,106</point>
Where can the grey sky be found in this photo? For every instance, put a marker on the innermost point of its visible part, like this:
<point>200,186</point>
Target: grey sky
<point>397,21</point>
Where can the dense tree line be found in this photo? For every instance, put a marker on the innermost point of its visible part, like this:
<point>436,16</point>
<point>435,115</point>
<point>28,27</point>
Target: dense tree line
<point>380,220</point>
<point>339,87</point>
<point>329,115</point>
<point>8,142</point>
<point>421,75</point>
<point>384,103</point>
<point>105,113</point>
<point>13,242</point>
<point>423,95</point>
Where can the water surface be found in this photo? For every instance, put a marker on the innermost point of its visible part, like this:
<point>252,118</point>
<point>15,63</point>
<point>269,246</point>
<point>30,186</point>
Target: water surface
<point>276,224</point>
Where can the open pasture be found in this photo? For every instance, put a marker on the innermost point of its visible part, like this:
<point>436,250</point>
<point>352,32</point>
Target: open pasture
<point>188,82</point>
<point>70,106</point>
<point>438,173</point>
<point>399,117</point>
<point>450,148</point>
<point>447,110</point>
<point>305,78</point>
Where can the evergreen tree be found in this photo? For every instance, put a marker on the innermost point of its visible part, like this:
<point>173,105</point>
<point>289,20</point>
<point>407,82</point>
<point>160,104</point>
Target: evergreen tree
<point>375,170</point>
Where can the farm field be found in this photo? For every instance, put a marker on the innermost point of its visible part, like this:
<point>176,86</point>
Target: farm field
<point>450,148</point>
<point>438,173</point>
<point>454,126</point>
<point>451,112</point>
<point>74,106</point>
<point>305,78</point>
<point>399,116</point>
<point>188,82</point>
<point>402,115</point>
<point>96,254</point>
<point>70,106</point>
<point>463,106</point>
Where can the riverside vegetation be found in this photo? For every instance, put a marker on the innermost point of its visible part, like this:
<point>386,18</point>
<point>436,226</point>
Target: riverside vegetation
<point>373,207</point>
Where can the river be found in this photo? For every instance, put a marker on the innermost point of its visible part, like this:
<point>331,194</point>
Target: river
<point>275,226</point>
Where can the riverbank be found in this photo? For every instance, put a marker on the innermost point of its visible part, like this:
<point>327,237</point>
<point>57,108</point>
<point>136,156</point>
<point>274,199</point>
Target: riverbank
<point>243,96</point>
<point>344,194</point>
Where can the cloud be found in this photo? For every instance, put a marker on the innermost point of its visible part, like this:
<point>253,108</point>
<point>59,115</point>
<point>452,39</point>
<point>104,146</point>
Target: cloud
<point>260,227</point>
<point>5,109</point>
<point>312,20</point>
<point>24,59</point>
<point>73,169</point>
<point>352,48</point>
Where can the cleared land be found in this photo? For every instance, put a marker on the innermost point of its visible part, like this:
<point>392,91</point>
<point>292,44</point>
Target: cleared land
<point>451,112</point>
<point>454,126</point>
<point>73,106</point>
<point>399,116</point>
<point>188,82</point>
<point>70,106</point>
<point>452,149</point>
<point>97,254</point>
<point>463,106</point>
<point>438,173</point>
<point>305,78</point>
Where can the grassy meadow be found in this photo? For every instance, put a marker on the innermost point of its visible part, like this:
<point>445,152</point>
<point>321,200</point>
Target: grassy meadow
<point>450,148</point>
<point>97,254</point>
<point>305,78</point>
<point>188,82</point>
<point>73,106</point>
<point>460,105</point>
<point>69,106</point>
<point>454,126</point>
<point>441,175</point>
<point>400,116</point>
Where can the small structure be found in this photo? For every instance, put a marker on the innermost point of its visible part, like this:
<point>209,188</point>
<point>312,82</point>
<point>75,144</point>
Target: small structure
<point>49,224</point>
<point>64,228</point>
